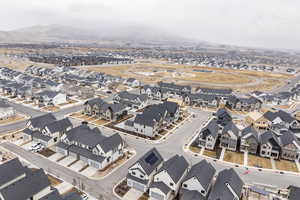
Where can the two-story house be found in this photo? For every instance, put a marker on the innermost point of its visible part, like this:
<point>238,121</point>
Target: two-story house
<point>249,140</point>
<point>290,146</point>
<point>198,182</point>
<point>140,174</point>
<point>269,145</point>
<point>229,136</point>
<point>208,135</point>
<point>167,180</point>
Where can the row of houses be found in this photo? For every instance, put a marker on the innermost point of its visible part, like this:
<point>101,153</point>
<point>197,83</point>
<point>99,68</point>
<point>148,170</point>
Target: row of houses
<point>6,111</point>
<point>223,133</point>
<point>81,142</point>
<point>154,118</point>
<point>18,182</point>
<point>166,179</point>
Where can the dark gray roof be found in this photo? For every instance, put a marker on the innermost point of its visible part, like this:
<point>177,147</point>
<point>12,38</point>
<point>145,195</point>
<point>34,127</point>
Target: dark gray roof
<point>25,188</point>
<point>59,125</point>
<point>215,91</point>
<point>42,121</point>
<point>287,138</point>
<point>230,126</point>
<point>148,166</point>
<point>190,195</point>
<point>175,167</point>
<point>11,170</point>
<point>39,135</point>
<point>203,172</point>
<point>86,153</point>
<point>212,128</point>
<point>85,135</point>
<point>270,137</point>
<point>54,195</point>
<point>294,193</point>
<point>110,143</point>
<point>252,130</point>
<point>161,186</point>
<point>220,190</point>
<point>284,116</point>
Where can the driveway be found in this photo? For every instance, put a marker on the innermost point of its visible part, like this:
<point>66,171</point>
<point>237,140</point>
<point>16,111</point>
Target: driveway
<point>55,157</point>
<point>78,165</point>
<point>132,194</point>
<point>66,161</point>
<point>89,171</point>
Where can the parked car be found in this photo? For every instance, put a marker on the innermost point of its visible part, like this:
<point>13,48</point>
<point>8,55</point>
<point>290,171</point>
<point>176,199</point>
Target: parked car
<point>84,196</point>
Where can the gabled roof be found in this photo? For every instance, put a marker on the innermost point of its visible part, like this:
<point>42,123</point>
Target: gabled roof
<point>25,188</point>
<point>190,195</point>
<point>11,170</point>
<point>221,191</point>
<point>42,121</point>
<point>150,161</point>
<point>269,137</point>
<point>287,138</point>
<point>212,128</point>
<point>203,172</point>
<point>284,116</point>
<point>161,186</point>
<point>59,125</point>
<point>111,142</point>
<point>230,126</point>
<point>248,132</point>
<point>175,167</point>
<point>54,195</point>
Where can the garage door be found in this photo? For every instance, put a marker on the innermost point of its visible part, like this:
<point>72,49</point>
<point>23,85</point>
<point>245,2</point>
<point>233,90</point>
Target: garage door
<point>61,151</point>
<point>156,196</point>
<point>95,164</point>
<point>84,159</point>
<point>138,186</point>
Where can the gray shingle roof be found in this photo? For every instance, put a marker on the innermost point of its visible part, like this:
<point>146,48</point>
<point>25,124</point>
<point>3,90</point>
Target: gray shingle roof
<point>220,190</point>
<point>25,188</point>
<point>211,128</point>
<point>42,121</point>
<point>203,172</point>
<point>230,126</point>
<point>59,125</point>
<point>294,193</point>
<point>190,195</point>
<point>11,170</point>
<point>161,186</point>
<point>175,167</point>
<point>149,168</point>
<point>54,195</point>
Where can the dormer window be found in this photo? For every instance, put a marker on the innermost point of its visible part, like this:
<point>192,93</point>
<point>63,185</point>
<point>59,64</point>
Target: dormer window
<point>171,184</point>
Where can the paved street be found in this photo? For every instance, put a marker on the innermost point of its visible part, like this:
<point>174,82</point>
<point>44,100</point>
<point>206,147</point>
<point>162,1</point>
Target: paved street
<point>173,145</point>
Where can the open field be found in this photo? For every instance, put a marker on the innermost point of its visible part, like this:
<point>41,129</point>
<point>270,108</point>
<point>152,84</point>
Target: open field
<point>211,154</point>
<point>12,119</point>
<point>240,80</point>
<point>256,161</point>
<point>234,157</point>
<point>286,165</point>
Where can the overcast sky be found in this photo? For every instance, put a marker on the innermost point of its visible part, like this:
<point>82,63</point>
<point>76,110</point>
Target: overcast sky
<point>262,23</point>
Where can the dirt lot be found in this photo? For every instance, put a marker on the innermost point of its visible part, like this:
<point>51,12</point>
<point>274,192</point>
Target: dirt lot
<point>243,81</point>
<point>195,149</point>
<point>256,161</point>
<point>234,157</point>
<point>54,181</point>
<point>211,154</point>
<point>12,119</point>
<point>286,165</point>
<point>47,152</point>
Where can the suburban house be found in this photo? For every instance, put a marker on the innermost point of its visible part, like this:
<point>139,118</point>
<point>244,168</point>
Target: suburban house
<point>20,183</point>
<point>290,146</point>
<point>154,118</point>
<point>214,91</point>
<point>269,145</point>
<point>198,182</point>
<point>153,92</point>
<point>249,140</point>
<point>201,100</point>
<point>173,89</point>
<point>49,133</point>
<point>223,116</point>
<point>99,108</point>
<point>229,136</point>
<point>140,174</point>
<point>132,82</point>
<point>167,180</point>
<point>91,146</point>
<point>208,135</point>
<point>244,104</point>
<point>38,123</point>
<point>228,186</point>
<point>6,111</point>
<point>283,118</point>
<point>257,119</point>
<point>48,97</point>
<point>131,100</point>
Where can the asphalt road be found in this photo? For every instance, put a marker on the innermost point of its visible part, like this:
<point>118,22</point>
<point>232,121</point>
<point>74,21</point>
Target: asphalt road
<point>288,86</point>
<point>173,145</point>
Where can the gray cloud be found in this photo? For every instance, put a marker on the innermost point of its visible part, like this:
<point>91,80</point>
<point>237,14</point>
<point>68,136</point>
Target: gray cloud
<point>267,23</point>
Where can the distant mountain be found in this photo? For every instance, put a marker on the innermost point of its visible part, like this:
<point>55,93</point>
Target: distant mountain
<point>58,33</point>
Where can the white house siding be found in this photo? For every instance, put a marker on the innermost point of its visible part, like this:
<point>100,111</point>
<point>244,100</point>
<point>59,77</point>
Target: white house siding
<point>60,99</point>
<point>62,151</point>
<point>144,130</point>
<point>193,184</point>
<point>157,194</point>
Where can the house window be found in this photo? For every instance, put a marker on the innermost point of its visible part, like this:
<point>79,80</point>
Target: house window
<point>171,184</point>
<point>141,176</point>
<point>133,173</point>
<point>202,192</point>
<point>185,185</point>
